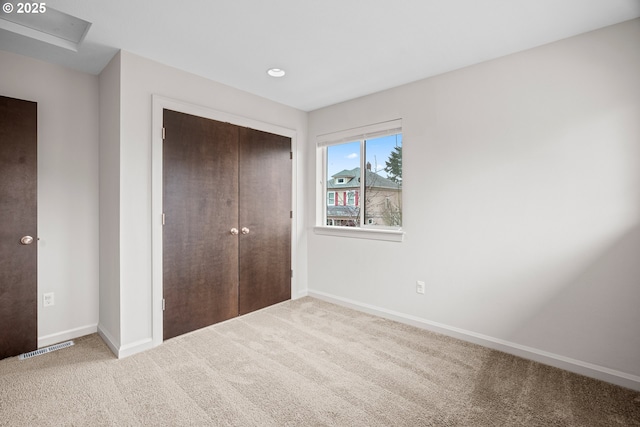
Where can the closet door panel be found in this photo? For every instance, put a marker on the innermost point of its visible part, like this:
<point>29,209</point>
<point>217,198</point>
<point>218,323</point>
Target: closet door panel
<point>264,219</point>
<point>200,204</point>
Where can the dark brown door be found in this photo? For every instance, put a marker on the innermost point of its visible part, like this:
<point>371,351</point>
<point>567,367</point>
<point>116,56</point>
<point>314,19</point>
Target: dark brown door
<point>265,217</point>
<point>18,220</point>
<point>227,232</point>
<point>200,204</point>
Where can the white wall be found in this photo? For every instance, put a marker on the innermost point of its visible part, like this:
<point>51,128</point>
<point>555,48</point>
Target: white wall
<point>109,324</point>
<point>521,205</point>
<point>67,191</point>
<point>140,79</point>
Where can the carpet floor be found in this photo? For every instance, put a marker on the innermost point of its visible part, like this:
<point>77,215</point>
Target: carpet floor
<point>304,363</point>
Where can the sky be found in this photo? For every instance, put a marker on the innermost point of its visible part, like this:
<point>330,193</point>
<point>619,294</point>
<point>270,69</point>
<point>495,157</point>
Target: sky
<point>347,156</point>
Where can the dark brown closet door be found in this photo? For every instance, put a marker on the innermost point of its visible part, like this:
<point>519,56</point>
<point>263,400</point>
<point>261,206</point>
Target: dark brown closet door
<point>18,222</point>
<point>265,217</point>
<point>200,204</point>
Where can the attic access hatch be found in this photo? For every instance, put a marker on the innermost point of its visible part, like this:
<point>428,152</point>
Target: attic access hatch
<point>45,24</point>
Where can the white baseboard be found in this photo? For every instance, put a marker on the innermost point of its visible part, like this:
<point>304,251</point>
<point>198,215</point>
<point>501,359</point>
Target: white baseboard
<point>111,342</point>
<point>572,365</point>
<point>70,334</point>
<point>135,347</point>
<point>301,294</point>
<point>121,351</point>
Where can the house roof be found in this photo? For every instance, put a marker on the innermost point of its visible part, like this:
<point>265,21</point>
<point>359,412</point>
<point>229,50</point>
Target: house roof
<point>343,211</point>
<point>347,173</point>
<point>373,179</point>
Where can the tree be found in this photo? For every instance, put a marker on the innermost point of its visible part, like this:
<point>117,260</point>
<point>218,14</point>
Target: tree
<point>393,166</point>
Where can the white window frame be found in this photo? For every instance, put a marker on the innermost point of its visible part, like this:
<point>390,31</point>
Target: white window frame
<point>351,198</point>
<point>365,230</point>
<point>329,203</point>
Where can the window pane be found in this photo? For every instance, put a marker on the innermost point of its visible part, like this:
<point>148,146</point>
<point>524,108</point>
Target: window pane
<point>343,177</point>
<point>383,181</point>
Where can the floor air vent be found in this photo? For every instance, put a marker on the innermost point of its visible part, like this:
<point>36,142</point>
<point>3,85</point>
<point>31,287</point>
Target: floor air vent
<point>44,350</point>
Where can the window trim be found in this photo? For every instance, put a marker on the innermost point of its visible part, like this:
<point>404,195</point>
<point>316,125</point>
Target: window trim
<point>361,233</point>
<point>351,198</point>
<point>364,231</point>
<point>364,132</point>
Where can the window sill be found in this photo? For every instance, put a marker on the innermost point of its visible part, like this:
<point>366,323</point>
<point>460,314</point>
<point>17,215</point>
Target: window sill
<point>361,233</point>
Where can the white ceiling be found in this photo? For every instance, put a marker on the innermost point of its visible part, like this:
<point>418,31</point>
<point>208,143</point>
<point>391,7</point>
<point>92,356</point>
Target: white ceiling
<point>332,50</point>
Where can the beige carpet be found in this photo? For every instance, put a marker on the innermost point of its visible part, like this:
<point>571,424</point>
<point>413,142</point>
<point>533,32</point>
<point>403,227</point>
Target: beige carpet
<point>304,363</point>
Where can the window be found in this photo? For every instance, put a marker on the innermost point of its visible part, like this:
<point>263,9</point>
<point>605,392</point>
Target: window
<point>351,198</point>
<point>362,171</point>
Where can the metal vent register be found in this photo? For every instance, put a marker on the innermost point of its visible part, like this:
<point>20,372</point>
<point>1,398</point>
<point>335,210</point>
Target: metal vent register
<point>44,350</point>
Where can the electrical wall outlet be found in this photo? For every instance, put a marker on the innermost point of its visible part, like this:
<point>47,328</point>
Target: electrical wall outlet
<point>420,287</point>
<point>48,300</point>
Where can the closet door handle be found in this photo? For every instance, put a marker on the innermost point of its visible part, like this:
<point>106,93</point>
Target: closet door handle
<point>245,230</point>
<point>234,231</point>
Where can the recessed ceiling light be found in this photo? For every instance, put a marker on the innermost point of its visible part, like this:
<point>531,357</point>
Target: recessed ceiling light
<point>276,72</point>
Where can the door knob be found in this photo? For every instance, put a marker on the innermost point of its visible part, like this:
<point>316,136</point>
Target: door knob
<point>234,231</point>
<point>26,240</point>
<point>245,230</point>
